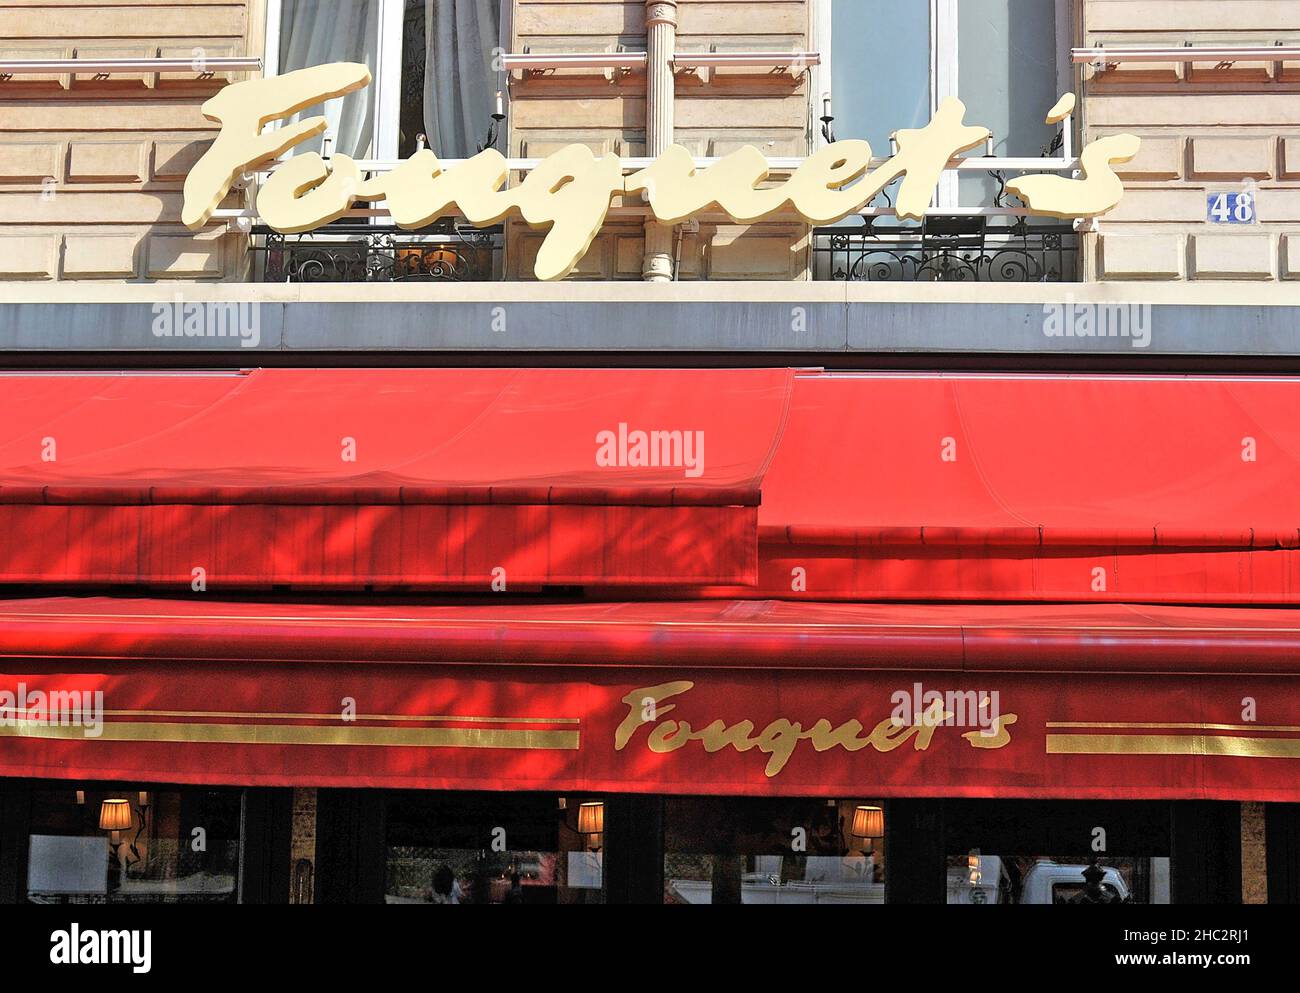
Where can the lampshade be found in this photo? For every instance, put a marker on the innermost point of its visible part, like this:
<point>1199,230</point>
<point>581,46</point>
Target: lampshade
<point>114,815</point>
<point>868,822</point>
<point>591,818</point>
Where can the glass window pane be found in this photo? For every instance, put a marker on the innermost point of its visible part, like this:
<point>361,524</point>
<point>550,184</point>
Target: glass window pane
<point>477,848</point>
<point>752,851</point>
<point>1007,79</point>
<point>315,32</point>
<point>975,878</point>
<point>76,856</point>
<point>880,64</point>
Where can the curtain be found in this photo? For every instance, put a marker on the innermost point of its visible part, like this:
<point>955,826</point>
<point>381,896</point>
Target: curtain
<point>313,32</point>
<point>460,81</point>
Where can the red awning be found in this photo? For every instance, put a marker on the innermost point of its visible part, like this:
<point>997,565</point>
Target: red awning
<point>1100,701</point>
<point>412,478</point>
<point>712,633</point>
<point>1036,487</point>
<point>881,487</point>
<point>1058,460</point>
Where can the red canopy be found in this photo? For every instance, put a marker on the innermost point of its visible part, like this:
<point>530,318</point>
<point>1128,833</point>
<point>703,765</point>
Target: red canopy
<point>1036,487</point>
<point>417,478</point>
<point>1019,459</point>
<point>713,633</point>
<point>748,697</point>
<point>889,486</point>
<point>279,434</point>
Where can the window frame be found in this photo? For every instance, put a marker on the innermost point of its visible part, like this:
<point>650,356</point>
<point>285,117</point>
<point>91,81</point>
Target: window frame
<point>265,833</point>
<point>945,69</point>
<point>388,72</point>
<point>386,138</point>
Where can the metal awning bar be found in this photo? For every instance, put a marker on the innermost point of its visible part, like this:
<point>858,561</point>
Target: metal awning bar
<point>702,60</point>
<point>776,164</point>
<point>638,60</point>
<point>1191,53</point>
<point>576,60</point>
<point>243,219</point>
<point>110,67</point>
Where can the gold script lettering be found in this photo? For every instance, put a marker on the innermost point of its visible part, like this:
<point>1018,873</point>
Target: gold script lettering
<point>820,188</point>
<point>304,192</point>
<point>643,708</point>
<point>568,194</point>
<point>1098,191</point>
<point>780,739</point>
<point>243,110</point>
<point>999,736</point>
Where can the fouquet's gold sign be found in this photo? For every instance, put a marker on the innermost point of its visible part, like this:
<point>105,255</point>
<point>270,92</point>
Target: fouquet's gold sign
<point>569,193</point>
<point>781,738</point>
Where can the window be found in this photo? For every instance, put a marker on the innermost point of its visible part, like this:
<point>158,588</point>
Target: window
<point>976,878</point>
<point>433,63</point>
<point>484,848</point>
<point>1007,76</point>
<point>880,67</point>
<point>134,845</point>
<point>756,851</point>
<point>892,62</point>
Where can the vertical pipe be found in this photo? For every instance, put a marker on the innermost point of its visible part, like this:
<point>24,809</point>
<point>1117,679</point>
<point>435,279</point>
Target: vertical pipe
<point>661,87</point>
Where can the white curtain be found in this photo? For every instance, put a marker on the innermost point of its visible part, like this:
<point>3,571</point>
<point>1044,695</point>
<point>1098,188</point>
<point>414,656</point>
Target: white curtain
<point>313,32</point>
<point>460,83</point>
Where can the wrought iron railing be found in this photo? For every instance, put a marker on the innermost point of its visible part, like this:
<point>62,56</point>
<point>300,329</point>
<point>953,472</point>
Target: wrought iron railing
<point>942,248</point>
<point>351,252</point>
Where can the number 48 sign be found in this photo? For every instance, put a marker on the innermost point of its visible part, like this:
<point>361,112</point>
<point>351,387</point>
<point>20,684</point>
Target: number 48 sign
<point>1230,208</point>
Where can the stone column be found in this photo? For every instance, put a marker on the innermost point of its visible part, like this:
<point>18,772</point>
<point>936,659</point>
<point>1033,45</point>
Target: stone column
<point>661,89</point>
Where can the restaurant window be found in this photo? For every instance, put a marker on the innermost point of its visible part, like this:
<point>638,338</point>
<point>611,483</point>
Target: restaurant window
<point>773,851</point>
<point>134,845</point>
<point>490,848</point>
<point>433,64</point>
<point>978,878</point>
<point>892,62</point>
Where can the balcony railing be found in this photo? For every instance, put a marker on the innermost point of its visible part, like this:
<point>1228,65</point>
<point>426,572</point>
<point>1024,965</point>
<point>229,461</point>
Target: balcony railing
<point>944,248</point>
<point>349,252</point>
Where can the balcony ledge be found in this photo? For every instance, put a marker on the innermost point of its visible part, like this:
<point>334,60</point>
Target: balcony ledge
<point>1198,293</point>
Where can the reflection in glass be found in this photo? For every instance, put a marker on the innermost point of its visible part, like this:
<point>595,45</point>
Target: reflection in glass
<point>134,846</point>
<point>1007,78</point>
<point>475,848</point>
<point>976,878</point>
<point>880,64</point>
<point>760,851</point>
<point>880,69</point>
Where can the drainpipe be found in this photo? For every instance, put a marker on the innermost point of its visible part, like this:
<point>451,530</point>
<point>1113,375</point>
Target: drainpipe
<point>661,87</point>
